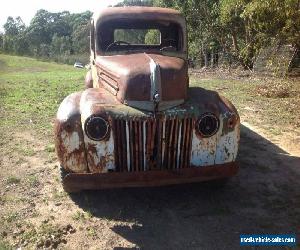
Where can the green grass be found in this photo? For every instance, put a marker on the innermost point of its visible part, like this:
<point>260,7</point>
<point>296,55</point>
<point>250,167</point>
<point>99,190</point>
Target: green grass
<point>11,217</point>
<point>270,110</point>
<point>31,91</point>
<point>32,180</point>
<point>13,180</point>
<point>4,245</point>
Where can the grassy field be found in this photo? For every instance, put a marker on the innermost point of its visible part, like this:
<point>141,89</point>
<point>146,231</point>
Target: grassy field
<point>35,212</point>
<point>31,91</point>
<point>271,104</point>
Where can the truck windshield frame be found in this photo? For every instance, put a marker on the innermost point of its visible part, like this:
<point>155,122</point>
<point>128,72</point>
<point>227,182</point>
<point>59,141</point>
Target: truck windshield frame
<point>171,37</point>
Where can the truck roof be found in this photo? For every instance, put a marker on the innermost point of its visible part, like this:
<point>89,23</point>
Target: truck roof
<point>144,13</point>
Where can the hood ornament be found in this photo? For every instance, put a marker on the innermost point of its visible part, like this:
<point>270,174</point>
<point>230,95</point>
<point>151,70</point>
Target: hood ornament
<point>156,98</point>
<point>155,78</point>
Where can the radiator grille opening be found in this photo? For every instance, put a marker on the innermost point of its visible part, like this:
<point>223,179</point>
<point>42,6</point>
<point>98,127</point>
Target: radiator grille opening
<point>142,145</point>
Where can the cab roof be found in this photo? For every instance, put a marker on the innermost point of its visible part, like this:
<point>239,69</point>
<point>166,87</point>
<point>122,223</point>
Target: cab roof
<point>138,13</point>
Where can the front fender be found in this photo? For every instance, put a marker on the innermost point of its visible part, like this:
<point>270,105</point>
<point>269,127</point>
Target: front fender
<point>69,140</point>
<point>88,81</point>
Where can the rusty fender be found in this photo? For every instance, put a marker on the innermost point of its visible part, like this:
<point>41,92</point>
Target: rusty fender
<point>69,140</point>
<point>147,179</point>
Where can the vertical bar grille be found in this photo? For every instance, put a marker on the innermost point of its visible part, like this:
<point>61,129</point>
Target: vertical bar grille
<point>142,145</point>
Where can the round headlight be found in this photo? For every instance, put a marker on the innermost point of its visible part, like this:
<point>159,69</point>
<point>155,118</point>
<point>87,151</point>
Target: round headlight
<point>208,125</point>
<point>97,128</point>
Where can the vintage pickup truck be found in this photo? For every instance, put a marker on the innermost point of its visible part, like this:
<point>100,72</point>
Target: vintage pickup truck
<point>138,123</point>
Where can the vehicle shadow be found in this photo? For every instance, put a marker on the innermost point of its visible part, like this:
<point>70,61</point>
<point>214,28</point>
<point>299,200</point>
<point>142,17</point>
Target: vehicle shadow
<point>263,198</point>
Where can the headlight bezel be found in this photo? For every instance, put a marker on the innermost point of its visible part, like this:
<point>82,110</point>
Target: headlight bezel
<point>202,122</point>
<point>89,128</point>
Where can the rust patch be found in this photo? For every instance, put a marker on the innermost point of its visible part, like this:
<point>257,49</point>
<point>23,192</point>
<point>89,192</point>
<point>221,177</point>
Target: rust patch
<point>69,144</point>
<point>151,178</point>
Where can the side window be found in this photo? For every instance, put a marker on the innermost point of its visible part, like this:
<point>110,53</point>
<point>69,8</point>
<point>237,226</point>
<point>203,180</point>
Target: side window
<point>92,38</point>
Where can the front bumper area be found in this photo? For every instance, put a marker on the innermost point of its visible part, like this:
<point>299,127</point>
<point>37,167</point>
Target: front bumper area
<point>74,182</point>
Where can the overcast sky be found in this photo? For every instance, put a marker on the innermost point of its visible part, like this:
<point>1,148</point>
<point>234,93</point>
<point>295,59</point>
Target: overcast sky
<point>26,9</point>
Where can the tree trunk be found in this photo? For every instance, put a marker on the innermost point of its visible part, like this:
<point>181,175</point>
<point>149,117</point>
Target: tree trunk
<point>204,52</point>
<point>234,42</point>
<point>212,59</point>
<point>205,59</point>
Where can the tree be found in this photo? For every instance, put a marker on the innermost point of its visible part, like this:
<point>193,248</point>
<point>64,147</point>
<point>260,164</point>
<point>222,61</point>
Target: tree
<point>135,3</point>
<point>204,35</point>
<point>1,41</point>
<point>80,39</point>
<point>61,45</point>
<point>13,27</point>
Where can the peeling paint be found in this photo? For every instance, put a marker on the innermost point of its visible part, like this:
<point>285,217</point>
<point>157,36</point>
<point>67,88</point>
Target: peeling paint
<point>70,140</point>
<point>218,149</point>
<point>100,155</point>
<point>203,150</point>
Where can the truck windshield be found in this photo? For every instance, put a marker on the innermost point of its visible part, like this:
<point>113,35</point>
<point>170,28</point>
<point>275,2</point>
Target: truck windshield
<point>130,36</point>
<point>138,36</point>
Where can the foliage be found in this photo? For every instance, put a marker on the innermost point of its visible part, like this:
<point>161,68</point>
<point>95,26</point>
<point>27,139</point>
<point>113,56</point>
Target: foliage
<point>240,28</point>
<point>49,35</point>
<point>135,3</point>
<point>13,26</point>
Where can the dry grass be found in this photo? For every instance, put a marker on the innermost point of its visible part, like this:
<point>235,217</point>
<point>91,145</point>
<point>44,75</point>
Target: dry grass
<point>276,89</point>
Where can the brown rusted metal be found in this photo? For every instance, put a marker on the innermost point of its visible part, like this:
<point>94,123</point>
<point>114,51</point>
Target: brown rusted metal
<point>117,142</point>
<point>170,146</point>
<point>136,145</point>
<point>150,178</point>
<point>154,143</point>
<point>182,148</point>
<point>140,145</point>
<point>153,135</point>
<point>133,83</point>
<point>189,141</point>
<point>124,147</point>
<point>69,142</point>
<point>167,141</point>
<point>175,143</point>
<point>131,143</point>
<point>158,145</point>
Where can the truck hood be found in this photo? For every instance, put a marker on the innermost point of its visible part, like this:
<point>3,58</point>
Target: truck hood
<point>144,81</point>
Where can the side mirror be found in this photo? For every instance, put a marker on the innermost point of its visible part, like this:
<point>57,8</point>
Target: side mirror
<point>78,65</point>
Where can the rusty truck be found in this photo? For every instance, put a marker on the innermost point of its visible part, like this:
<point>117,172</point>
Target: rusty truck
<point>138,123</point>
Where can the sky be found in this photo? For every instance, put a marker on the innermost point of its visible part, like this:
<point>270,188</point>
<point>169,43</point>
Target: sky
<point>26,9</point>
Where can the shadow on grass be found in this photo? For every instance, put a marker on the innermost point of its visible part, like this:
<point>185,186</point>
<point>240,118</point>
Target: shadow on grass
<point>262,198</point>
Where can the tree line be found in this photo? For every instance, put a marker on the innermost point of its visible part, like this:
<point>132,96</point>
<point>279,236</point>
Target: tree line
<point>235,30</point>
<point>62,36</point>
